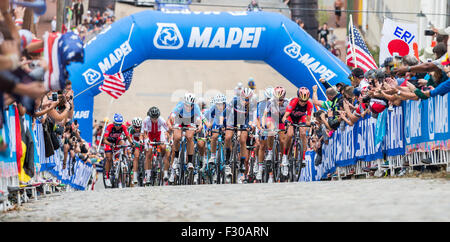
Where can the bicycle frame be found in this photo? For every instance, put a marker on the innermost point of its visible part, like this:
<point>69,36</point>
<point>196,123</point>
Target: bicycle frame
<point>181,180</point>
<point>296,155</point>
<point>119,166</point>
<point>157,160</point>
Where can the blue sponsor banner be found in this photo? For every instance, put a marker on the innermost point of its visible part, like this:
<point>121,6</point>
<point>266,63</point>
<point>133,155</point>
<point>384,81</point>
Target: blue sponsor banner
<point>350,144</point>
<point>426,120</point>
<point>82,174</point>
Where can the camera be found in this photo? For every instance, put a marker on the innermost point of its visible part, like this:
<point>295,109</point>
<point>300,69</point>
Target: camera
<point>54,96</point>
<point>429,32</point>
<point>33,64</point>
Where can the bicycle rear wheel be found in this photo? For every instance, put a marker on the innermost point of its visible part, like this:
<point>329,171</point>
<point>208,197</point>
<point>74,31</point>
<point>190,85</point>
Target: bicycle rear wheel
<point>182,178</point>
<point>234,164</point>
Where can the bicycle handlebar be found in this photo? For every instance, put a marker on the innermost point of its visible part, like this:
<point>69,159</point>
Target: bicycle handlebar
<point>121,146</point>
<point>185,128</point>
<point>238,129</point>
<point>158,143</point>
<point>300,125</point>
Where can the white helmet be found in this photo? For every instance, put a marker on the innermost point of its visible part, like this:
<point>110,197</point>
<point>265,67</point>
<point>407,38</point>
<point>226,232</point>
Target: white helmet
<point>137,122</point>
<point>212,100</point>
<point>220,98</point>
<point>189,98</point>
<point>246,93</point>
<point>239,85</point>
<point>268,93</point>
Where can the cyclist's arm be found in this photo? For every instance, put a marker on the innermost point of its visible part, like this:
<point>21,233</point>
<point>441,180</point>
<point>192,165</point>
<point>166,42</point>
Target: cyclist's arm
<point>130,140</point>
<point>171,121</point>
<point>286,115</point>
<point>308,113</point>
<point>106,135</point>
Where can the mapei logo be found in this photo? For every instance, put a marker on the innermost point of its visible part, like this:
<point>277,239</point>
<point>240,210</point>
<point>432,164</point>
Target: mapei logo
<point>168,36</point>
<point>314,66</point>
<point>293,50</point>
<point>81,114</point>
<point>91,76</point>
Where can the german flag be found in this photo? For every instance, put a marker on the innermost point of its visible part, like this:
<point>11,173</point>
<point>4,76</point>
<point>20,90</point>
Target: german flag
<point>21,148</point>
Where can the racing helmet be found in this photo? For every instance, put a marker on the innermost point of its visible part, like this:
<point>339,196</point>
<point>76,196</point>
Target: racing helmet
<point>137,122</point>
<point>279,92</point>
<point>268,93</point>
<point>118,118</point>
<point>189,98</point>
<point>153,113</point>
<point>303,94</point>
<point>246,93</point>
<point>220,98</point>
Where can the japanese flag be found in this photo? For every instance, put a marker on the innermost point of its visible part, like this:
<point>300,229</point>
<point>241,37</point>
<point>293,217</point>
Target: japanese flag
<point>397,37</point>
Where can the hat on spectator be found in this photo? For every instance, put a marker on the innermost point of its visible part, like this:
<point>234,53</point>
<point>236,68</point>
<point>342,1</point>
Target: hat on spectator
<point>369,74</point>
<point>427,54</point>
<point>25,38</point>
<point>389,61</point>
<point>444,31</point>
<point>358,72</point>
<point>61,50</point>
<point>251,83</point>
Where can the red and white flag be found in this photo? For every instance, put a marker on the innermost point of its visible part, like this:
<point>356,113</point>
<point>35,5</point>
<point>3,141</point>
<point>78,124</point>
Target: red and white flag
<point>357,49</point>
<point>114,85</point>
<point>52,75</point>
<point>397,37</point>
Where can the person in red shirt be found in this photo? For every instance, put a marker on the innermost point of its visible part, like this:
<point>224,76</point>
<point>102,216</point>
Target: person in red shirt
<point>112,137</point>
<point>298,111</point>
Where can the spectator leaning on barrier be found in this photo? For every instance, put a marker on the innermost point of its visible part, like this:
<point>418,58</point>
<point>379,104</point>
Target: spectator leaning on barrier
<point>22,72</point>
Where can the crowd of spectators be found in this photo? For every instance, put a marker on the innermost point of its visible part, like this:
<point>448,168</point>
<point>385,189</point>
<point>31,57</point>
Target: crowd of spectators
<point>23,67</point>
<point>378,90</point>
<point>88,23</point>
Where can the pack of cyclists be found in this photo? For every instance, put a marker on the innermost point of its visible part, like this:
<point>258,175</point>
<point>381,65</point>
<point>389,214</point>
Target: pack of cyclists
<point>206,141</point>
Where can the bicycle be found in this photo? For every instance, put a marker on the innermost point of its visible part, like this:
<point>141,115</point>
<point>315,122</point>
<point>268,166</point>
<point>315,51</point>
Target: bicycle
<point>141,169</point>
<point>252,157</point>
<point>180,178</point>
<point>219,168</point>
<point>199,175</point>
<point>94,176</point>
<point>272,166</point>
<point>296,153</point>
<point>235,161</point>
<point>119,172</point>
<point>157,164</point>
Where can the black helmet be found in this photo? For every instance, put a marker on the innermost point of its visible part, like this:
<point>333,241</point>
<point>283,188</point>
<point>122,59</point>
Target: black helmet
<point>153,112</point>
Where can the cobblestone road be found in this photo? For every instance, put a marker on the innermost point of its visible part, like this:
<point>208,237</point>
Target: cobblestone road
<point>351,200</point>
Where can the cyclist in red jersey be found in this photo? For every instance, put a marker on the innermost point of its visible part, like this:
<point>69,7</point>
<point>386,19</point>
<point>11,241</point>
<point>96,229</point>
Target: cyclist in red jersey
<point>299,111</point>
<point>112,137</point>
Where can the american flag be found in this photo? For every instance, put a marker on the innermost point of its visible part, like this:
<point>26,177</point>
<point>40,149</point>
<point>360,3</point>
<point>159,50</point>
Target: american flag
<point>363,57</point>
<point>116,85</point>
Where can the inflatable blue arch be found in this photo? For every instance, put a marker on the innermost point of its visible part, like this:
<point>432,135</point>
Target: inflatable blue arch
<point>263,36</point>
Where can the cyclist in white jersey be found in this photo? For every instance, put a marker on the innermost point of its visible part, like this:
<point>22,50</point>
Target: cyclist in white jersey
<point>155,130</point>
